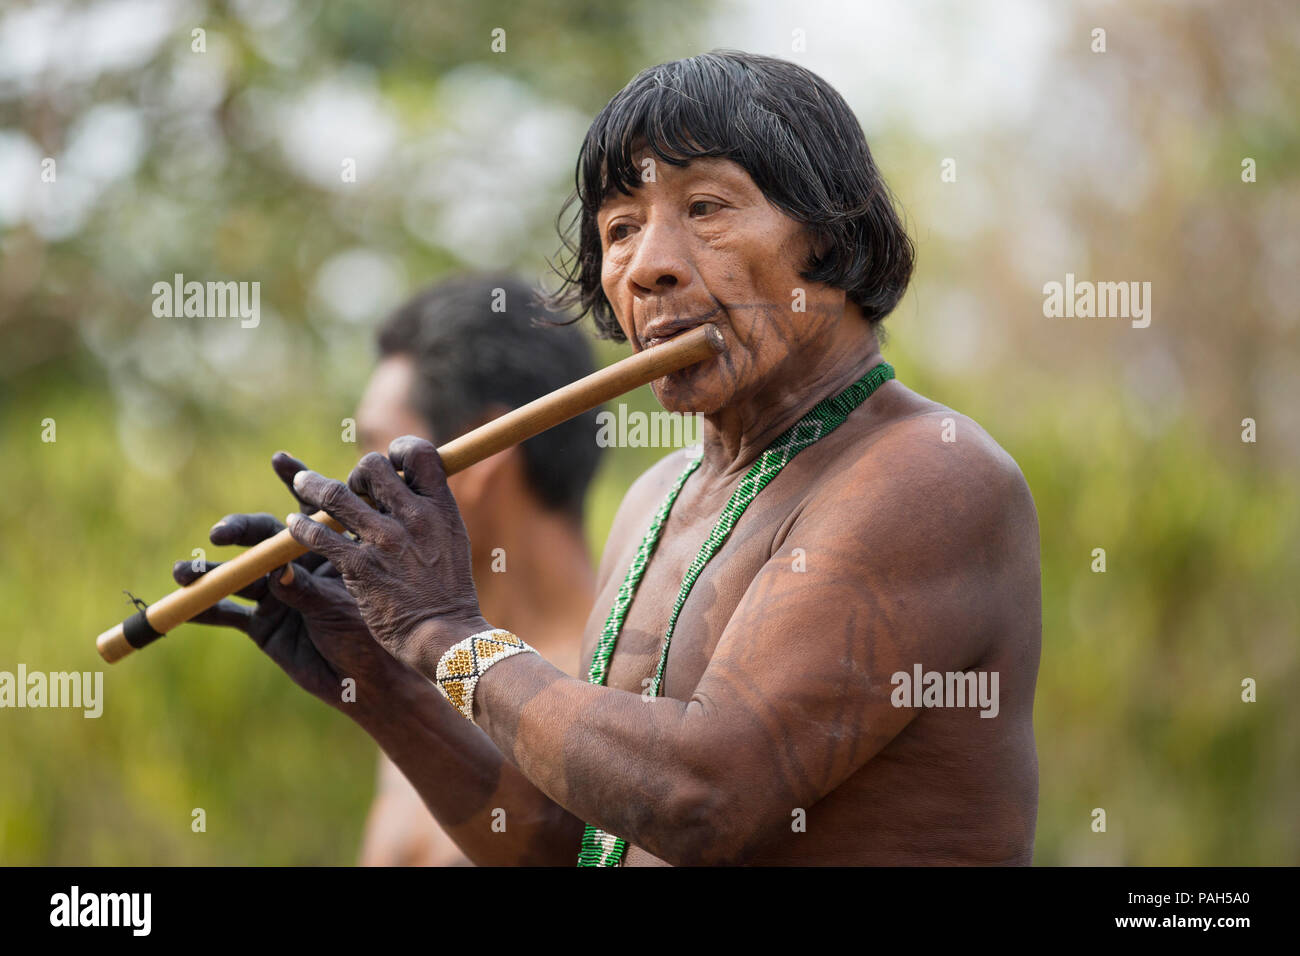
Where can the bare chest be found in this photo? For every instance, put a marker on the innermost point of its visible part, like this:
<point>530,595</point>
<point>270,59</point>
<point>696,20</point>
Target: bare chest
<point>707,607</point>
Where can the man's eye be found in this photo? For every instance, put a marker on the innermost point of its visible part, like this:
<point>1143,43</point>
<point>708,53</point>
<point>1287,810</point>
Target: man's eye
<point>616,231</point>
<point>710,207</point>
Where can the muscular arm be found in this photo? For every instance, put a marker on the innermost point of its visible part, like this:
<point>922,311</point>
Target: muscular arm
<point>423,733</point>
<point>903,567</point>
<point>400,831</point>
<point>432,744</point>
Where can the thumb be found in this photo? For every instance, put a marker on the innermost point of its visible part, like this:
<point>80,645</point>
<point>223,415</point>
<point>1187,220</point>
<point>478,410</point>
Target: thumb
<point>293,585</point>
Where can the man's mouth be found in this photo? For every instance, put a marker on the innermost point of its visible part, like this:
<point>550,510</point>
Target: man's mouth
<point>658,332</point>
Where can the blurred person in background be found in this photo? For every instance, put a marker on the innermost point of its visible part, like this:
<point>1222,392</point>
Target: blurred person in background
<point>452,358</point>
<point>448,364</point>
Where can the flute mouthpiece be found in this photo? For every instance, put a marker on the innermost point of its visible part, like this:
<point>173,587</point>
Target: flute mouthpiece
<point>714,337</point>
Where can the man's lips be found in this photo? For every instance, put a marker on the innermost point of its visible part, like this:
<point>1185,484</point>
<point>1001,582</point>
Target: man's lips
<point>660,331</point>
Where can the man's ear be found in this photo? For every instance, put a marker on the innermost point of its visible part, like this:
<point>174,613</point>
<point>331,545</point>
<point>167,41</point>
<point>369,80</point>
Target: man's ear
<point>475,483</point>
<point>819,243</point>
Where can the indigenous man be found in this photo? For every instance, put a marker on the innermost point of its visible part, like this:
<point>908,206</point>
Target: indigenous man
<point>758,604</point>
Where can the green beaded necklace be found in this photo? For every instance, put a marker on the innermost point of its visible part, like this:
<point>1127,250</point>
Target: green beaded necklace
<point>604,849</point>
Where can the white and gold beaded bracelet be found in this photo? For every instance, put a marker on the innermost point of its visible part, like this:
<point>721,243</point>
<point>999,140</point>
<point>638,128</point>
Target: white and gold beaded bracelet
<point>465,662</point>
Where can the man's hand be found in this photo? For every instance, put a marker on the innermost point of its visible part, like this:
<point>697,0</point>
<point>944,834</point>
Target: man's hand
<point>314,630</point>
<point>304,618</point>
<point>409,568</point>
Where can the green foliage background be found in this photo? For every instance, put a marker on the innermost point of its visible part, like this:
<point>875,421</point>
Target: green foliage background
<point>1130,440</point>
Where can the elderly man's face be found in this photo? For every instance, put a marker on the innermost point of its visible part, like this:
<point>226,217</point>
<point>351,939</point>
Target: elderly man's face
<point>702,243</point>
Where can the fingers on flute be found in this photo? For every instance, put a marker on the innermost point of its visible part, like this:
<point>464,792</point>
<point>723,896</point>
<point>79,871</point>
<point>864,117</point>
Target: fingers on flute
<point>226,613</point>
<point>187,572</point>
<point>314,536</point>
<point>376,478</point>
<point>418,460</point>
<point>294,586</point>
<point>286,466</point>
<point>244,529</point>
<point>336,499</point>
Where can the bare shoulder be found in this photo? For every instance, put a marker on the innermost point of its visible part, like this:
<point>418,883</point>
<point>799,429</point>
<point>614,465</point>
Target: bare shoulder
<point>933,520</point>
<point>925,471</point>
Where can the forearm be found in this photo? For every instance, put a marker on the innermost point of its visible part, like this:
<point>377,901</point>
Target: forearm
<point>617,760</point>
<point>491,810</point>
<point>400,831</point>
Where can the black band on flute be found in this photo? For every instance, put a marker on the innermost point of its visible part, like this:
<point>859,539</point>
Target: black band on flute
<point>138,631</point>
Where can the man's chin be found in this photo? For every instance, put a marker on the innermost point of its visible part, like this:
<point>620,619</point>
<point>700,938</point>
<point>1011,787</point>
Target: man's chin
<point>688,395</point>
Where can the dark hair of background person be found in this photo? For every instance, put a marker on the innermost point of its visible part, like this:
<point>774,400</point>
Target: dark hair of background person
<point>468,357</point>
<point>786,127</point>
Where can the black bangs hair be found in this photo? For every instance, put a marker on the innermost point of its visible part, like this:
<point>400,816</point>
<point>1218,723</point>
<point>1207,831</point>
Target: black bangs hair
<point>787,128</point>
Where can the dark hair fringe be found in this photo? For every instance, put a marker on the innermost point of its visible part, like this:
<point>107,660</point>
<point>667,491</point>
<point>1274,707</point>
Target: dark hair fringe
<point>786,127</point>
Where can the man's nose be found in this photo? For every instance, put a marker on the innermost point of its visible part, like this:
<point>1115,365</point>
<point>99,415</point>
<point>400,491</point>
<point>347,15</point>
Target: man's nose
<point>659,264</point>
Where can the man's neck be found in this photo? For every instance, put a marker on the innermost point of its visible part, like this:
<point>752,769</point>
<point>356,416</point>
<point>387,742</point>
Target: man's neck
<point>734,437</point>
<point>546,590</point>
